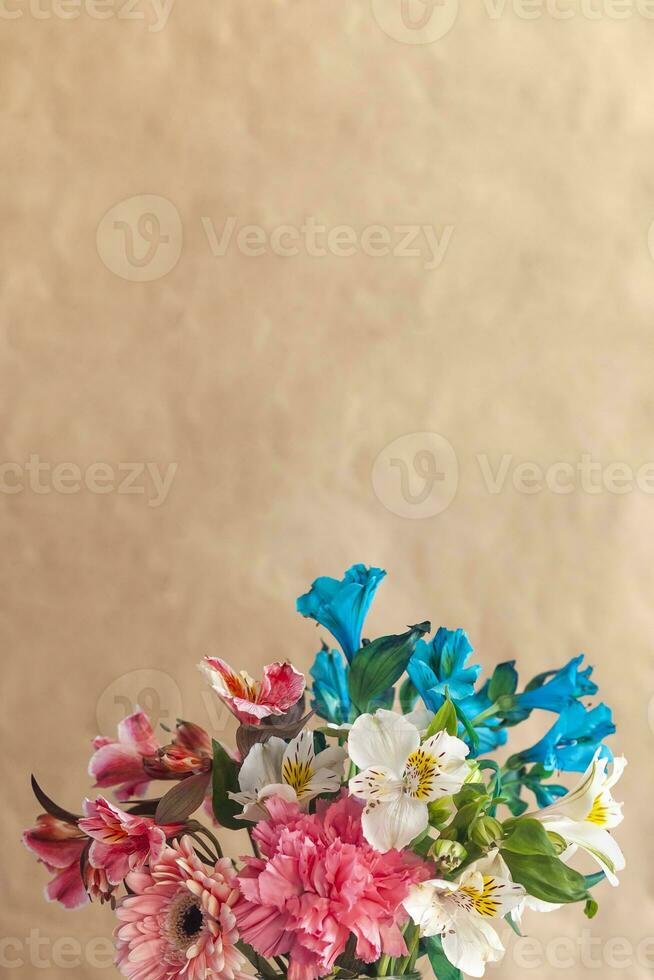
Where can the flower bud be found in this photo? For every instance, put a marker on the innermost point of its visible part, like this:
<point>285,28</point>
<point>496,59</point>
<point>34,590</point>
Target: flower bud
<point>448,855</point>
<point>474,773</point>
<point>485,831</point>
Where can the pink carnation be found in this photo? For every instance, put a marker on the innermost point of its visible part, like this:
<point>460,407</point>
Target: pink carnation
<point>320,882</point>
<point>179,922</point>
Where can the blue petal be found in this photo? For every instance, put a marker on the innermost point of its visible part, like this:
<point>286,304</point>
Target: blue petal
<point>440,665</point>
<point>331,696</point>
<point>573,740</point>
<point>560,691</point>
<point>342,606</point>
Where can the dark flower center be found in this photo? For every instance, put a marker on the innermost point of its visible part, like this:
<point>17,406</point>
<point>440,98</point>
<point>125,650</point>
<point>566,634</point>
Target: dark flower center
<point>191,921</point>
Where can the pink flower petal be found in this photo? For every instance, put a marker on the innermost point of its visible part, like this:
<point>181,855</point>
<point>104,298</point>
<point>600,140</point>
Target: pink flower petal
<point>67,888</point>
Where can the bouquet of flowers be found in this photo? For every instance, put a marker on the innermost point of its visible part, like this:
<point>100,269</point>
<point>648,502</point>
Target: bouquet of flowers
<point>380,827</point>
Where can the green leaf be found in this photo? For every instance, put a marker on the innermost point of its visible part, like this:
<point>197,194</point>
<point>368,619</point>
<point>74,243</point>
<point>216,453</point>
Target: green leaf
<point>465,721</point>
<point>592,880</point>
<point>378,665</point>
<point>504,681</point>
<point>545,877</point>
<point>531,858</point>
<point>444,720</point>
<point>225,780</point>
<point>591,908</point>
<point>408,695</point>
<point>529,837</point>
<point>183,799</point>
<point>384,700</point>
<point>51,807</point>
<point>440,964</point>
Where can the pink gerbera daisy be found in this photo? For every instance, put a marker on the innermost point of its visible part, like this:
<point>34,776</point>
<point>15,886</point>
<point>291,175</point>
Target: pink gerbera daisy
<point>179,921</point>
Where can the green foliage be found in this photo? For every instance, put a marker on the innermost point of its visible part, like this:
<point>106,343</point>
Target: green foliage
<point>504,681</point>
<point>225,780</point>
<point>445,720</point>
<point>408,695</point>
<point>378,665</point>
<point>443,969</point>
<point>532,860</point>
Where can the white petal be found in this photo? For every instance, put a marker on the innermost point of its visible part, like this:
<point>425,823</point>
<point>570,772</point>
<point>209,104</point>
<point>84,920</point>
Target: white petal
<point>619,766</point>
<point>436,768</point>
<point>598,843</point>
<point>262,765</point>
<point>471,945</point>
<point>299,762</point>
<point>449,750</point>
<point>331,758</point>
<point>424,905</point>
<point>578,803</point>
<point>376,784</point>
<point>421,718</point>
<point>384,738</point>
<point>491,896</point>
<point>394,824</point>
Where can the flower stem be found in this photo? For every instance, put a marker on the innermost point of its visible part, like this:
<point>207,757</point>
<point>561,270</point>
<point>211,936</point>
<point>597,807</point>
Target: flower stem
<point>255,848</point>
<point>383,965</point>
<point>482,716</point>
<point>201,829</point>
<point>406,964</point>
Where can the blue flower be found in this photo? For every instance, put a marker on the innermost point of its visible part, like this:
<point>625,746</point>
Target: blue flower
<point>342,606</point>
<point>439,666</point>
<point>331,697</point>
<point>490,735</point>
<point>572,742</point>
<point>547,793</point>
<point>559,691</point>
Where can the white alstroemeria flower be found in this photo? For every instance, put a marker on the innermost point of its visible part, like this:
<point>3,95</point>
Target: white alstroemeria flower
<point>400,776</point>
<point>584,817</point>
<point>291,771</point>
<point>494,864</point>
<point>465,914</point>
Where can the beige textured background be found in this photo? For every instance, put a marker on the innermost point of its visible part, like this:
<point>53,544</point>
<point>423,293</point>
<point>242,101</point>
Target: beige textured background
<point>274,382</point>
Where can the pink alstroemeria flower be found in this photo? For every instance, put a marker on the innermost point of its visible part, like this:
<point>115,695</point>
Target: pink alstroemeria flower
<point>122,842</point>
<point>120,763</point>
<point>59,846</point>
<point>282,687</point>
